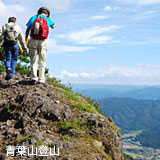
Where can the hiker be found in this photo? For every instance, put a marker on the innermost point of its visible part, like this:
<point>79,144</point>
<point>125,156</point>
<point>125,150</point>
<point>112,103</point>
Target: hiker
<point>12,33</point>
<point>38,27</point>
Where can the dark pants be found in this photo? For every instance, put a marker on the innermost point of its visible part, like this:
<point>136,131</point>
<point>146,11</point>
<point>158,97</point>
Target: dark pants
<point>11,52</point>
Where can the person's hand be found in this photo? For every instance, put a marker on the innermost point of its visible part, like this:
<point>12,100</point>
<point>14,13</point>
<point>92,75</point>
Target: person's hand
<point>27,40</point>
<point>52,27</point>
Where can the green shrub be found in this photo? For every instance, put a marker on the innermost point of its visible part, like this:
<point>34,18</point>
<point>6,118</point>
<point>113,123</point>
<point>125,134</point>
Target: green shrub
<point>2,68</point>
<point>69,95</point>
<point>23,69</point>
<point>76,124</point>
<point>58,83</point>
<point>66,138</point>
<point>83,107</point>
<point>93,103</point>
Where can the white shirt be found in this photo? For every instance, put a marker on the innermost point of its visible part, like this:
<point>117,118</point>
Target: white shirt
<point>18,32</point>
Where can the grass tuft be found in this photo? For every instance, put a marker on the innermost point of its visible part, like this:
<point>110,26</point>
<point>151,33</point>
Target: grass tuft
<point>22,139</point>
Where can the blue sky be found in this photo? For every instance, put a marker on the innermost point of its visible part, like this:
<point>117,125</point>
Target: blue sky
<point>98,42</point>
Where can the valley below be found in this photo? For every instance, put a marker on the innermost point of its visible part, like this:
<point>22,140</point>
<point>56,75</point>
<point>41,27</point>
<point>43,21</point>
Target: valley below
<point>135,150</point>
<point>134,109</point>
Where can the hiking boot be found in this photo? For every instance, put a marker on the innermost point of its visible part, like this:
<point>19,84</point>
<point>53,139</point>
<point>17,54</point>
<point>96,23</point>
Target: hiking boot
<point>41,82</point>
<point>8,76</point>
<point>33,82</point>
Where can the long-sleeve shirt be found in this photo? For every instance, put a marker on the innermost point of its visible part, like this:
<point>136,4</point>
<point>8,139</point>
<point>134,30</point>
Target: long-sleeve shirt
<point>18,32</point>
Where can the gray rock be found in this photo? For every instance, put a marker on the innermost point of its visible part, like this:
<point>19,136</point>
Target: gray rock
<point>67,145</point>
<point>3,103</point>
<point>38,114</point>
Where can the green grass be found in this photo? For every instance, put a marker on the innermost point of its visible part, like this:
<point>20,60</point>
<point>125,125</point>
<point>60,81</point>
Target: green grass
<point>57,83</point>
<point>92,105</point>
<point>83,107</point>
<point>69,95</point>
<point>38,143</point>
<point>66,138</point>
<point>92,102</point>
<point>2,67</point>
<point>22,139</point>
<point>76,124</point>
<point>51,145</point>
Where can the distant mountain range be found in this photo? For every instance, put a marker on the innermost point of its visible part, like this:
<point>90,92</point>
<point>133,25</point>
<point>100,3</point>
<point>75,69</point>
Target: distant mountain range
<point>136,92</point>
<point>131,107</point>
<point>132,114</point>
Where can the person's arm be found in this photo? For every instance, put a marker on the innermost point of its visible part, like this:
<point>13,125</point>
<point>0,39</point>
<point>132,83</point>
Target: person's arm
<point>21,38</point>
<point>1,37</point>
<point>2,31</point>
<point>50,22</point>
<point>29,26</point>
<point>27,33</point>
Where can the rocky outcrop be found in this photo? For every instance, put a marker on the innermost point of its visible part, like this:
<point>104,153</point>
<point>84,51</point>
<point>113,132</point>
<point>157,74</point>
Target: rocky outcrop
<point>44,115</point>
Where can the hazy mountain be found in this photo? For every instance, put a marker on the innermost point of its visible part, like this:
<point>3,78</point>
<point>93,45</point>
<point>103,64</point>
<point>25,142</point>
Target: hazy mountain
<point>132,114</point>
<point>106,91</point>
<point>97,93</point>
<point>150,137</point>
<point>145,93</point>
<point>131,107</point>
<point>119,88</point>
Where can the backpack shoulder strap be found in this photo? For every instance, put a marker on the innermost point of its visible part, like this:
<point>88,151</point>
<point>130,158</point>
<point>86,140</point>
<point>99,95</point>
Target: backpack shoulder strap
<point>6,25</point>
<point>9,26</point>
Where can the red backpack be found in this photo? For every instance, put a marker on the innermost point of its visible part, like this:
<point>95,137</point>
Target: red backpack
<point>40,29</point>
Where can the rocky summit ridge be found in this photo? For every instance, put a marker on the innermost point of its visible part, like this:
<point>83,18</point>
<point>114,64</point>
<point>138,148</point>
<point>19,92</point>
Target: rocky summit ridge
<point>51,117</point>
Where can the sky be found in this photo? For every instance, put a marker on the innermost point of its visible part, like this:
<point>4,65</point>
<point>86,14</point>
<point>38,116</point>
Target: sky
<point>98,42</point>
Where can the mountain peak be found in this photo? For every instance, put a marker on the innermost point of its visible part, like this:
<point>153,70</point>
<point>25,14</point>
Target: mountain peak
<point>51,116</point>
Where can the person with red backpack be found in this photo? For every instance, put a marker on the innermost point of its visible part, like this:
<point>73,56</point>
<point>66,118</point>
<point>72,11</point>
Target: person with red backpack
<point>38,27</point>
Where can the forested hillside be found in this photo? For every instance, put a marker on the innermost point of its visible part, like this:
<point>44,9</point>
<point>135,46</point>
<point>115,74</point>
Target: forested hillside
<point>132,114</point>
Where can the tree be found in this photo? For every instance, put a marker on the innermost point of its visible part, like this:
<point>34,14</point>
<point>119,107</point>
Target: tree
<point>2,59</point>
<point>23,63</point>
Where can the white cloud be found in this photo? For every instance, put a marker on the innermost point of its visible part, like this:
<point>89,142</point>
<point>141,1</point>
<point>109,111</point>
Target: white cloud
<point>55,48</point>
<point>84,75</point>
<point>20,9</point>
<point>96,40</point>
<point>117,8</point>
<point>135,75</point>
<point>67,74</point>
<point>7,10</point>
<point>23,10</point>
<point>94,35</point>
<point>60,5</point>
<point>142,2</point>
<point>146,15</point>
<point>100,17</point>
<point>108,8</point>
